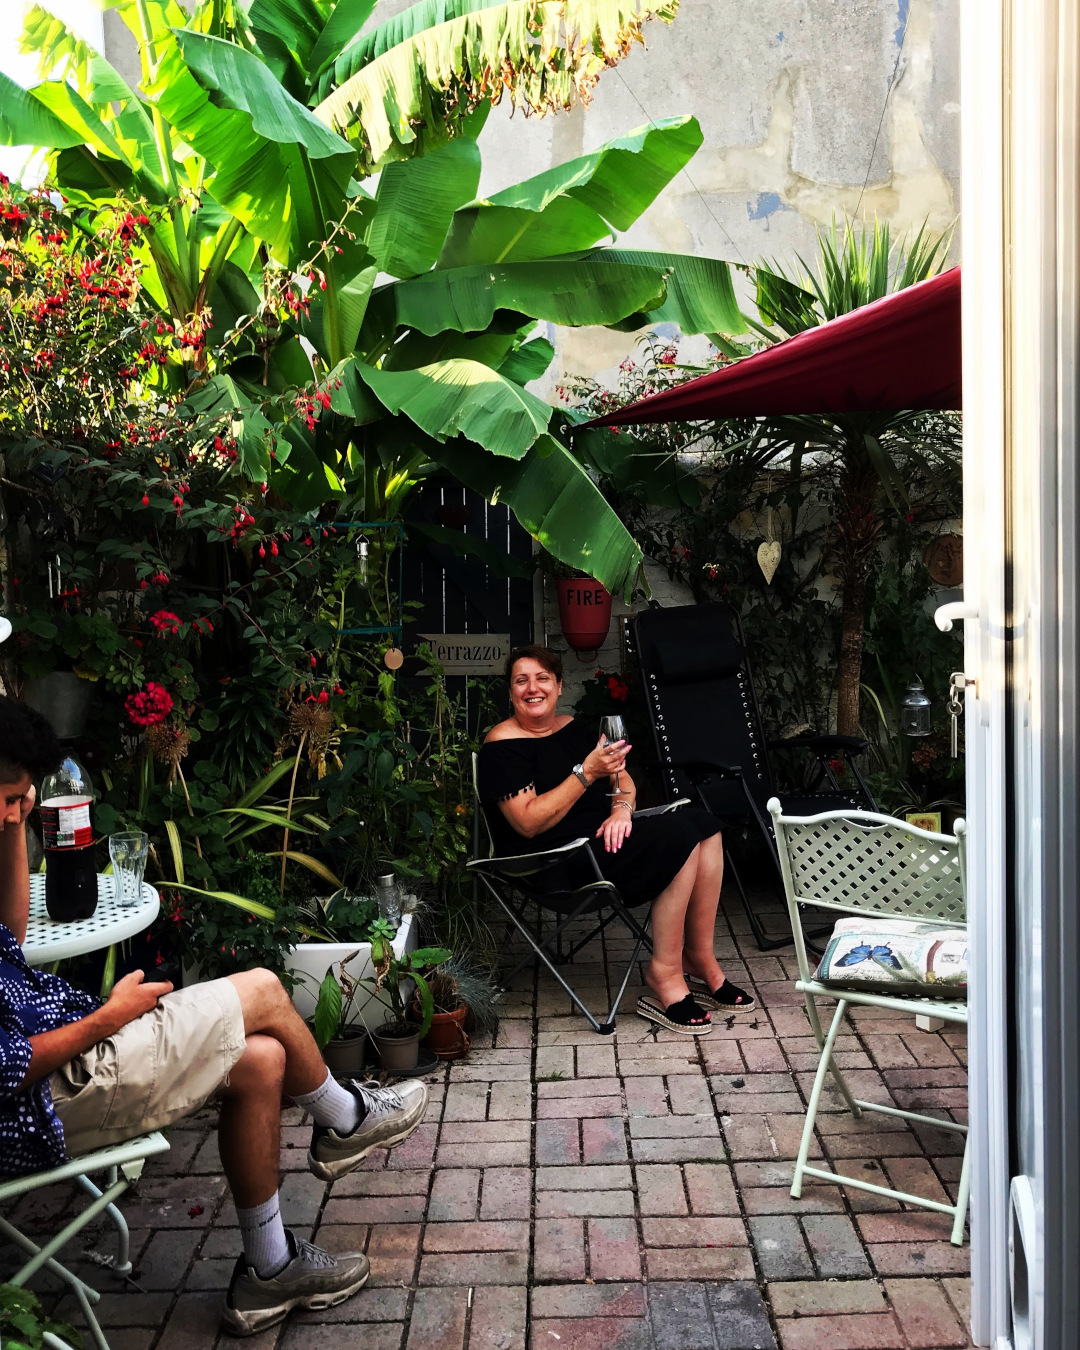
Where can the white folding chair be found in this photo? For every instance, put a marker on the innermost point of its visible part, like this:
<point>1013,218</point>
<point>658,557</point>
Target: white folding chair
<point>859,862</point>
<point>122,1165</point>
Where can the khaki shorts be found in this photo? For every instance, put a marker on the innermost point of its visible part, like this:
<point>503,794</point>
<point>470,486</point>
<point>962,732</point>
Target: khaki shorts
<point>154,1071</point>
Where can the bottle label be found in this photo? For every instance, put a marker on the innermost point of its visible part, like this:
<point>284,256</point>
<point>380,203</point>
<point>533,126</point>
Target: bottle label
<point>65,822</point>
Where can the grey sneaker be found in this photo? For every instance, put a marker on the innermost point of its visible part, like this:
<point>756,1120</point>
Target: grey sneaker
<point>312,1279</point>
<point>391,1115</point>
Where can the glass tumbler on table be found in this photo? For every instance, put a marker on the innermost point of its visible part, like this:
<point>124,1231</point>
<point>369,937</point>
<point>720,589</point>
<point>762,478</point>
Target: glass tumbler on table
<point>128,854</point>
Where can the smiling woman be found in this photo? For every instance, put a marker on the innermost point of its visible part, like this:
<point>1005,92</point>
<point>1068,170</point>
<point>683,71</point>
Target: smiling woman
<point>545,780</point>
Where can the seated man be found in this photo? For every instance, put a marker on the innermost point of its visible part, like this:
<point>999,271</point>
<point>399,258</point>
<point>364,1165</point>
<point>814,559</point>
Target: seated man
<point>77,1074</point>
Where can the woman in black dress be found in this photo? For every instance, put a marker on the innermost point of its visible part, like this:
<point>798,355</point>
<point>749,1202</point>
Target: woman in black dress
<point>552,782</point>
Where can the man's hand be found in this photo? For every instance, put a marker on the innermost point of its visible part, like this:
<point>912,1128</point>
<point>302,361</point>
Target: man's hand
<point>130,998</point>
<point>615,830</point>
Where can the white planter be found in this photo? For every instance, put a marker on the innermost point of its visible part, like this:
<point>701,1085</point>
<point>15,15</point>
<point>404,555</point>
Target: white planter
<point>309,961</point>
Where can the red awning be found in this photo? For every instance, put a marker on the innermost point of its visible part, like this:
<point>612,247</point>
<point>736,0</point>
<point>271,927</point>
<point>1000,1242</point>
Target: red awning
<point>900,353</point>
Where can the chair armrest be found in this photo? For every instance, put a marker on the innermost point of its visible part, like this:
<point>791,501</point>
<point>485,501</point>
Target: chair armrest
<point>548,855</point>
<point>699,770</point>
<point>821,745</point>
<point>662,810</point>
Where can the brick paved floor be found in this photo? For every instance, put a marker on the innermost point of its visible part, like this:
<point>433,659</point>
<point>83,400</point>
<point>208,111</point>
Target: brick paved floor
<point>572,1192</point>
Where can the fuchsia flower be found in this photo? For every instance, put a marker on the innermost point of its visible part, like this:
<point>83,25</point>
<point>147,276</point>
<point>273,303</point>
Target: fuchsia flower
<point>149,706</point>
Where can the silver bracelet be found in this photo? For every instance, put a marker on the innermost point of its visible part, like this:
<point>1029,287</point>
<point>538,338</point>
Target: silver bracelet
<point>626,804</point>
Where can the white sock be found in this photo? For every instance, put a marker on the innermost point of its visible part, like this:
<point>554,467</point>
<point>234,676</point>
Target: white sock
<point>263,1236</point>
<point>331,1105</point>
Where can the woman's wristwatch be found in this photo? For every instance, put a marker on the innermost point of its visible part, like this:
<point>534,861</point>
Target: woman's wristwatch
<point>579,773</point>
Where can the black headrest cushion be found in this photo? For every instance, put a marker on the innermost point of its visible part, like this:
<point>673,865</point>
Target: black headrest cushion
<point>713,657</point>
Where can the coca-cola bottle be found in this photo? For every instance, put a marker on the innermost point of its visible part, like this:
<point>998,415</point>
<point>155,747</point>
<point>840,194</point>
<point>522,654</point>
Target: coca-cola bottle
<point>66,803</point>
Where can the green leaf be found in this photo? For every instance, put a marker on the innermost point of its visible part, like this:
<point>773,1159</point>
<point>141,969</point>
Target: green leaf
<point>595,288</point>
<point>312,864</point>
<point>263,786</point>
<point>415,205</point>
<point>25,120</point>
<point>409,84</point>
<point>327,1009</point>
<point>699,294</point>
<point>176,848</point>
<point>347,19</point>
<point>463,397</point>
<point>528,362</point>
<point>222,396</point>
<point>280,176</point>
<point>576,204</point>
<point>557,502</point>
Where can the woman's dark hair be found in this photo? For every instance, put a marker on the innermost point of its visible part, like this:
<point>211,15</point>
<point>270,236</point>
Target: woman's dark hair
<point>548,659</point>
<point>28,743</point>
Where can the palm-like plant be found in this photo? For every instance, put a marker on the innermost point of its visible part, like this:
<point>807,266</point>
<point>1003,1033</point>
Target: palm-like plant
<point>251,139</point>
<point>867,452</point>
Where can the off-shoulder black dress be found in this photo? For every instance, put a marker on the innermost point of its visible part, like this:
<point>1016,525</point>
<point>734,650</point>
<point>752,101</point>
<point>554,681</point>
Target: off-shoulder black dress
<point>648,860</point>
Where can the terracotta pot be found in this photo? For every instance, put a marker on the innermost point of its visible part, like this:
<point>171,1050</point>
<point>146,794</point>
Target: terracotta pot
<point>447,1036</point>
<point>398,1053</point>
<point>584,612</point>
<point>344,1056</point>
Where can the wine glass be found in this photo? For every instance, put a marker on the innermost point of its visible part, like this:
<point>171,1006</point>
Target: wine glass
<point>613,729</point>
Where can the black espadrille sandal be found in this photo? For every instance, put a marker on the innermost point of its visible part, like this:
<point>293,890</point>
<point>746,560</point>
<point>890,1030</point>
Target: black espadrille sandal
<point>688,1017</point>
<point>729,998</point>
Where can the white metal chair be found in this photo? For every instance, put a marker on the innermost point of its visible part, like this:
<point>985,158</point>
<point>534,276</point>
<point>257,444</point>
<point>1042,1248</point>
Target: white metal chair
<point>122,1165</point>
<point>859,862</point>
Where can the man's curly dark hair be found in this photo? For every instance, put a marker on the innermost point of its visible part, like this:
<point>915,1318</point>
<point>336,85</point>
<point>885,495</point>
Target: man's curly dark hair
<point>28,744</point>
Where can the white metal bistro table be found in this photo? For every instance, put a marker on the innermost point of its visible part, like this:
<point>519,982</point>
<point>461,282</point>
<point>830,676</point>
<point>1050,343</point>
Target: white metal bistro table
<point>48,941</point>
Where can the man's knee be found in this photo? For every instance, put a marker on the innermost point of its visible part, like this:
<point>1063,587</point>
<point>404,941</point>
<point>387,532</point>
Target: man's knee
<point>260,987</point>
<point>261,1065</point>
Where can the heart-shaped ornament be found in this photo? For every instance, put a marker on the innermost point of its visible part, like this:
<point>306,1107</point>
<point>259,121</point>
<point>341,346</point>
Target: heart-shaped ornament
<point>768,559</point>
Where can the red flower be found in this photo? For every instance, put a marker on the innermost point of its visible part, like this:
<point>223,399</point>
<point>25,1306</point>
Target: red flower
<point>159,579</point>
<point>165,621</point>
<point>149,706</point>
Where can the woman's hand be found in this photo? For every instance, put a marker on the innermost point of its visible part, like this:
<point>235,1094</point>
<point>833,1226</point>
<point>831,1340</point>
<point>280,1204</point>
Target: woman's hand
<point>616,829</point>
<point>27,804</point>
<point>607,759</point>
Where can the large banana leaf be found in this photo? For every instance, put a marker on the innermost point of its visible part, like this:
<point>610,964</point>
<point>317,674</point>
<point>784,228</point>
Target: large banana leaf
<point>575,205</point>
<point>699,295</point>
<point>466,398</point>
<point>275,167</point>
<point>25,120</point>
<point>541,53</point>
<point>416,202</point>
<point>223,397</point>
<point>594,288</point>
<point>557,502</point>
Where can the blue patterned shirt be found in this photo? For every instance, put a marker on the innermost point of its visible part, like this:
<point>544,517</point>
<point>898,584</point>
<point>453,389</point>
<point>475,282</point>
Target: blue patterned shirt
<point>31,1001</point>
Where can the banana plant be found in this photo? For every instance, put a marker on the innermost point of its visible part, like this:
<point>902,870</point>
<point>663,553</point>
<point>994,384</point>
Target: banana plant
<point>400,332</point>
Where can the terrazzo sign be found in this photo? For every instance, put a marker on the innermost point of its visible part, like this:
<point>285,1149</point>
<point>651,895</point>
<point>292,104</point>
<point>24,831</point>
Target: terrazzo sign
<point>470,653</point>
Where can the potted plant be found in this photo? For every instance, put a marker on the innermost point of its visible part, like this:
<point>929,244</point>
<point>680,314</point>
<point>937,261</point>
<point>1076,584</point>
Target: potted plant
<point>343,1044</point>
<point>398,1038</point>
<point>459,995</point>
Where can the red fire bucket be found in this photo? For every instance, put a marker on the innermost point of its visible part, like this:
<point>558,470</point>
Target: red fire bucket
<point>584,612</point>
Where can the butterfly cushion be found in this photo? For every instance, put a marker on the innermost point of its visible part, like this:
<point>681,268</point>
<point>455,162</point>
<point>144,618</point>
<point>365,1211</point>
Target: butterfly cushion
<point>895,956</point>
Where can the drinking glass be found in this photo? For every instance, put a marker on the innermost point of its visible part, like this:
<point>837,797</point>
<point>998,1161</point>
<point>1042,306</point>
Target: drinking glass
<point>128,854</point>
<point>613,729</point>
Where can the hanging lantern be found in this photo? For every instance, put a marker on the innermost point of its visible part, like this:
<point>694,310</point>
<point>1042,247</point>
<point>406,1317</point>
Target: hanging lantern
<point>363,559</point>
<point>915,711</point>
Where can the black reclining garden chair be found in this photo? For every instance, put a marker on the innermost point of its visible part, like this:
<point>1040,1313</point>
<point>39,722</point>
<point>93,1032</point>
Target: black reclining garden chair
<point>539,880</point>
<point>700,695</point>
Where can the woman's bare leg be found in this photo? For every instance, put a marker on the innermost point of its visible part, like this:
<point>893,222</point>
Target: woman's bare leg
<point>664,973</point>
<point>698,954</point>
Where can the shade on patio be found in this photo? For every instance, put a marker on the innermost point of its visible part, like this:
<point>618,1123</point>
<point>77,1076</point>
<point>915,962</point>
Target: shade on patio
<point>898,353</point>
